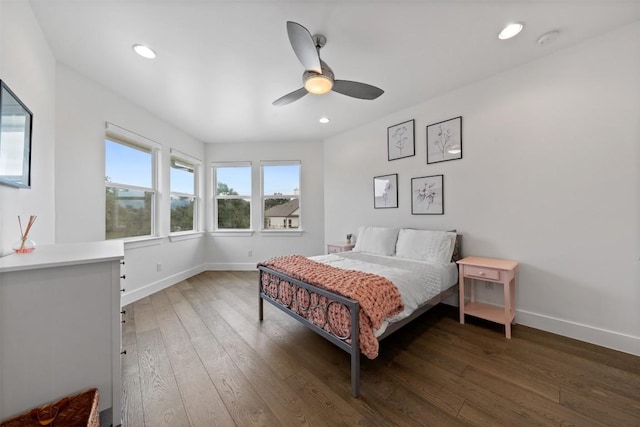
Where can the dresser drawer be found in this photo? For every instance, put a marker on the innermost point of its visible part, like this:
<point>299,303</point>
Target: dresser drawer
<point>481,273</point>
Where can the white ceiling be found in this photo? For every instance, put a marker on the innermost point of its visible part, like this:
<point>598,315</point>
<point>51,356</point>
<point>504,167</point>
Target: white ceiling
<point>220,64</point>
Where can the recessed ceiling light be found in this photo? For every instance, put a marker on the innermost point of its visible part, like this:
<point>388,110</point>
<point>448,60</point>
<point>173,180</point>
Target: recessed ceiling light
<point>144,51</point>
<point>324,120</point>
<point>511,30</point>
<point>548,37</point>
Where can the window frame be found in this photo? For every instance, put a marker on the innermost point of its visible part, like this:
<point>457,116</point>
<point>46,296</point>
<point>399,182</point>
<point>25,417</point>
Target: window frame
<point>196,164</point>
<point>130,139</point>
<point>216,197</point>
<point>264,197</point>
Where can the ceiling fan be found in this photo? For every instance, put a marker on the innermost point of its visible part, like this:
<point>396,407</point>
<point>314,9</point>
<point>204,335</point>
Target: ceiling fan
<point>318,77</point>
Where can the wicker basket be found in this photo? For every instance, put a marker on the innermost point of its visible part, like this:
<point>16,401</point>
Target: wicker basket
<point>79,410</point>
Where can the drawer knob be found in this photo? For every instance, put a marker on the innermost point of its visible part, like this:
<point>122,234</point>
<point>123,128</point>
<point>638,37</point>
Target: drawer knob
<point>124,276</point>
<point>123,352</point>
<point>122,290</point>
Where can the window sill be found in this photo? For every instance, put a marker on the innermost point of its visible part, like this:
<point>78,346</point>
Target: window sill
<point>142,242</point>
<point>186,235</point>
<point>231,233</point>
<point>281,233</point>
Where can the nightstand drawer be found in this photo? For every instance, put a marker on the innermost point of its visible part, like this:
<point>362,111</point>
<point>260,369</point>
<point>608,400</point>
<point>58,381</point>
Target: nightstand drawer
<point>481,273</point>
<point>334,248</point>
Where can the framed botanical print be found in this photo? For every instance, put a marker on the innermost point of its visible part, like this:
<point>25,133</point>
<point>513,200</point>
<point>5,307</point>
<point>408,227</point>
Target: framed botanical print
<point>444,140</point>
<point>401,140</point>
<point>385,191</point>
<point>427,195</point>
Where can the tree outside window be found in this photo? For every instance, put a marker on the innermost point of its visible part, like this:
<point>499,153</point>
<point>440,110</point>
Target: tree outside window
<point>184,202</point>
<point>129,190</point>
<point>233,196</point>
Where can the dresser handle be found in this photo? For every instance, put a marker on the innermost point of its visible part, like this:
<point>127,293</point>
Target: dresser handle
<point>124,276</point>
<point>123,321</point>
<point>123,352</point>
<point>123,312</point>
<point>122,290</point>
<point>122,262</point>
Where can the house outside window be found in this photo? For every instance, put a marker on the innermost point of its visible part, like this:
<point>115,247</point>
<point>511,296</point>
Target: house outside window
<point>130,189</point>
<point>183,177</point>
<point>281,195</point>
<point>232,201</point>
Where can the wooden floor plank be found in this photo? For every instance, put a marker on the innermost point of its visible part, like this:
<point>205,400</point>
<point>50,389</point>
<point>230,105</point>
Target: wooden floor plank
<point>283,401</point>
<point>160,396</point>
<point>200,397</point>
<point>556,414</point>
<point>132,410</point>
<point>199,356</point>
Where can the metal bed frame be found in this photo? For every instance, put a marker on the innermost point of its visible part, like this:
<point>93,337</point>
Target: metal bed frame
<point>349,343</point>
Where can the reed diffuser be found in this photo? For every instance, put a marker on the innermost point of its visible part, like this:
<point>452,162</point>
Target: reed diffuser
<point>25,245</point>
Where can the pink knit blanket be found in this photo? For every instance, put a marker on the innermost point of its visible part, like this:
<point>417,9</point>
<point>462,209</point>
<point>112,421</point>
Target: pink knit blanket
<point>379,298</point>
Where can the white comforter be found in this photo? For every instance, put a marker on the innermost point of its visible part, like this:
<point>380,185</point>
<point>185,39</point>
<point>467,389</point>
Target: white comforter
<point>417,281</point>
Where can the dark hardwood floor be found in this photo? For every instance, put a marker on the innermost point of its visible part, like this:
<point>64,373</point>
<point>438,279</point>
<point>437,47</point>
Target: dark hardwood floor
<point>197,356</point>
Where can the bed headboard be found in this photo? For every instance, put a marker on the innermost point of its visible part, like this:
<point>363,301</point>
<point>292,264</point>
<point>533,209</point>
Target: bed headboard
<point>457,249</point>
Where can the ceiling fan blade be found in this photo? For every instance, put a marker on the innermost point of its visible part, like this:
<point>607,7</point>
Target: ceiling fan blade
<point>304,46</point>
<point>290,97</point>
<point>356,89</point>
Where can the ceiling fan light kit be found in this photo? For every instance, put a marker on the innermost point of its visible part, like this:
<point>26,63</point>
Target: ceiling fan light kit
<point>318,77</point>
<point>318,84</point>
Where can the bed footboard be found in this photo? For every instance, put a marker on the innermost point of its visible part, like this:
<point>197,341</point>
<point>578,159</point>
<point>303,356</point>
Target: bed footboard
<point>322,311</point>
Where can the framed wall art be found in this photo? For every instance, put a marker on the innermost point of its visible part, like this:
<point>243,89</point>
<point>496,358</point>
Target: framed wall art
<point>385,191</point>
<point>427,195</point>
<point>401,140</point>
<point>444,140</point>
<point>15,139</point>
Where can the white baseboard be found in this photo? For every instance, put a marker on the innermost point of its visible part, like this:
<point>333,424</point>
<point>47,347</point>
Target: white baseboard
<point>151,288</point>
<point>598,336</point>
<point>602,337</point>
<point>231,266</point>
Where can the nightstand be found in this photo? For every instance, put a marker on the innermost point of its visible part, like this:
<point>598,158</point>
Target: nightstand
<point>491,270</point>
<point>333,248</point>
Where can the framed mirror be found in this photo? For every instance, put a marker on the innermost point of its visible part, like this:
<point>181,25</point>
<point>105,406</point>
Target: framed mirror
<point>15,140</point>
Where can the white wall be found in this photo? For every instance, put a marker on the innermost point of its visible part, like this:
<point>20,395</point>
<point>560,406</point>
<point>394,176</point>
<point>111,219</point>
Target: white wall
<point>82,107</point>
<point>550,176</point>
<point>27,66</point>
<point>232,252</point>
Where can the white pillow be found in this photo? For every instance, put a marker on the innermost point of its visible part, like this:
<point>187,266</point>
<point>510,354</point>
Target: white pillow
<point>377,240</point>
<point>426,245</point>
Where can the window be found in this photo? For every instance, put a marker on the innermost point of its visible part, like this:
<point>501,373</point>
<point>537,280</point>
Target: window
<point>130,189</point>
<point>184,201</point>
<point>232,203</point>
<point>281,195</point>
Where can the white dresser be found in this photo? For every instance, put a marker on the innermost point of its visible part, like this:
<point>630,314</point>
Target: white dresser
<point>60,326</point>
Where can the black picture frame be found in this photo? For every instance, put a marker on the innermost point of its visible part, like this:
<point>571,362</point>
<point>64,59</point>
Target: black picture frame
<point>444,140</point>
<point>16,122</point>
<point>427,195</point>
<point>385,191</point>
<point>401,137</point>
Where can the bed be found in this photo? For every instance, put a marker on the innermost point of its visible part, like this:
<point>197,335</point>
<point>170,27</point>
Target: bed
<point>356,299</point>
